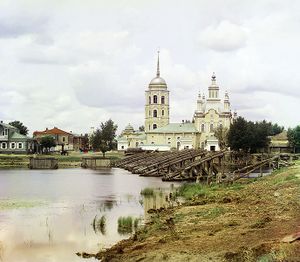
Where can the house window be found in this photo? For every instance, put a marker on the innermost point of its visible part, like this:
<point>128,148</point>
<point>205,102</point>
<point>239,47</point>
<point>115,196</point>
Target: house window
<point>162,99</point>
<point>20,145</point>
<point>122,147</point>
<point>12,145</point>
<point>155,99</point>
<point>3,145</point>
<point>154,126</point>
<point>162,112</point>
<point>63,139</point>
<point>152,143</point>
<point>203,128</point>
<point>149,99</point>
<point>211,128</point>
<point>5,132</point>
<point>154,113</point>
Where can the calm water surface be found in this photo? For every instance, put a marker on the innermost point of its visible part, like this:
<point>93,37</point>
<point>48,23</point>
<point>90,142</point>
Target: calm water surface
<point>51,213</point>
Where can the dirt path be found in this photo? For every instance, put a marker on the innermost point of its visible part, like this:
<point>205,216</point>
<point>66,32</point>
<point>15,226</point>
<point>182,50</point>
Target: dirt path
<point>245,222</point>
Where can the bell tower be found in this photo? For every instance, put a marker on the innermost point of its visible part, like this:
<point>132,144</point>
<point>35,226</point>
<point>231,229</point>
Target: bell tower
<point>157,102</point>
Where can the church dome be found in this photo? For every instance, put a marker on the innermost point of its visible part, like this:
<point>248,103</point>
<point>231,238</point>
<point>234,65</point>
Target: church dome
<point>158,81</point>
<point>129,128</point>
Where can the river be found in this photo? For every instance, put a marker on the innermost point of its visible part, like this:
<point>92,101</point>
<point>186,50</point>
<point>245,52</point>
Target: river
<point>49,215</point>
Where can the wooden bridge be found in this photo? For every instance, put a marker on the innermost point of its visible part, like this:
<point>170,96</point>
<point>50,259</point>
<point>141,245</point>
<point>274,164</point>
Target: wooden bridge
<point>194,165</point>
<point>189,164</point>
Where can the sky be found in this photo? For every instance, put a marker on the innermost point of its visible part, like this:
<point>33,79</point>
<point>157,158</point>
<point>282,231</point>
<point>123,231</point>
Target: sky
<point>74,64</point>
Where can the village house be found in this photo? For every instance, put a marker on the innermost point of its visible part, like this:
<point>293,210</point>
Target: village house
<point>280,143</point>
<point>11,141</point>
<point>65,141</point>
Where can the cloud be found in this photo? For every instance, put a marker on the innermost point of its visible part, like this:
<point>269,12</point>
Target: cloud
<point>223,37</point>
<point>76,64</point>
<point>18,24</point>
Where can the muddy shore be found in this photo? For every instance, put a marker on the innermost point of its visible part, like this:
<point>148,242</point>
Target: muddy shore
<point>252,220</point>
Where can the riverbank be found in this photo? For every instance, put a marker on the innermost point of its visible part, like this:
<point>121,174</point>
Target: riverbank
<point>253,220</point>
<point>73,160</point>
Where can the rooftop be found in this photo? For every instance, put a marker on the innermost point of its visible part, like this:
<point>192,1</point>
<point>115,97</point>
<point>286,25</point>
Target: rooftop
<point>176,128</point>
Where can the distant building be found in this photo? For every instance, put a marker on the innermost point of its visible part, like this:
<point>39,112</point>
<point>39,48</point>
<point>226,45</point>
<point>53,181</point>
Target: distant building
<point>64,140</point>
<point>280,144</point>
<point>11,141</point>
<point>162,135</point>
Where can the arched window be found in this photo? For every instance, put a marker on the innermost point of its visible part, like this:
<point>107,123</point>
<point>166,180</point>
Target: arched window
<point>211,129</point>
<point>154,126</point>
<point>202,127</point>
<point>149,99</point>
<point>155,99</point>
<point>149,112</point>
<point>162,99</point>
<point>162,112</point>
<point>154,113</point>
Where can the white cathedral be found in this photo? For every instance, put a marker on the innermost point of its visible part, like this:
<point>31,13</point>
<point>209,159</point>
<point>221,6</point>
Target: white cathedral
<point>160,134</point>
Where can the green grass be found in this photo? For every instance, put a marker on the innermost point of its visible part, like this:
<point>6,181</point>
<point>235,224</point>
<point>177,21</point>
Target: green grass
<point>189,191</point>
<point>147,191</point>
<point>125,225</point>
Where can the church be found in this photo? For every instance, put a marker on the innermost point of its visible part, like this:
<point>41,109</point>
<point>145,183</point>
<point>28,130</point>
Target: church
<point>159,134</point>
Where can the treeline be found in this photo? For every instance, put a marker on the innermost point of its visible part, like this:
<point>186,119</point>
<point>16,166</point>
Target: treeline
<point>294,138</point>
<point>251,136</point>
<point>254,137</point>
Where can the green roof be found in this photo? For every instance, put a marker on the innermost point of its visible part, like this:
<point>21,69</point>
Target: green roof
<point>176,128</point>
<point>8,126</point>
<point>17,135</point>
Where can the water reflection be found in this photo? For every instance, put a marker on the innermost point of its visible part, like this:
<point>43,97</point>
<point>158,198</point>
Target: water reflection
<point>80,211</point>
<point>99,225</point>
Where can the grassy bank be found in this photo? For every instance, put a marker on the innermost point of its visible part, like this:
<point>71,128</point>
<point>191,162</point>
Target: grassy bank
<point>69,161</point>
<point>246,221</point>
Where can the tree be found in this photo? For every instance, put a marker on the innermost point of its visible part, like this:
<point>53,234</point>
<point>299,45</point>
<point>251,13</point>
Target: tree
<point>248,136</point>
<point>23,129</point>
<point>103,138</point>
<point>221,133</point>
<point>141,128</point>
<point>276,129</point>
<point>85,142</point>
<point>293,135</point>
<point>238,135</point>
<point>47,142</point>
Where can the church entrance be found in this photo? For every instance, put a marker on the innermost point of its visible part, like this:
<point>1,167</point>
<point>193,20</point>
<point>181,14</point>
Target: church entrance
<point>212,148</point>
